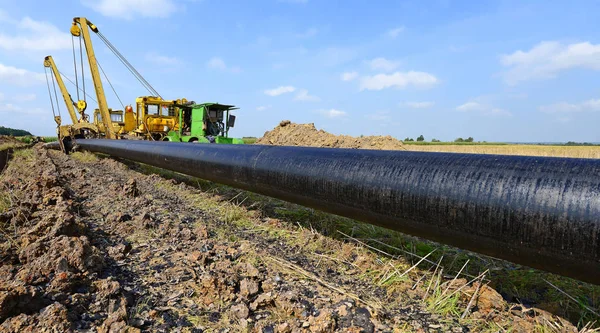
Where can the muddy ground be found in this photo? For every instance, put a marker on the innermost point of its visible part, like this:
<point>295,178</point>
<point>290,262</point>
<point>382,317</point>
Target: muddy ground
<point>94,245</point>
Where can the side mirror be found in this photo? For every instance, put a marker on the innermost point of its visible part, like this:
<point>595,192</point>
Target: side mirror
<point>231,121</point>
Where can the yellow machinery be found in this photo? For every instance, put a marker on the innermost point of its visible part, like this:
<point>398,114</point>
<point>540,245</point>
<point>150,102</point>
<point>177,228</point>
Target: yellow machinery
<point>156,117</point>
<point>81,127</point>
<point>80,29</point>
<point>153,118</point>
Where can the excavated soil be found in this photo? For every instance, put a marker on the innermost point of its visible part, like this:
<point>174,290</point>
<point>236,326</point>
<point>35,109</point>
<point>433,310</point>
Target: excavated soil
<point>8,139</point>
<point>291,134</point>
<point>96,246</point>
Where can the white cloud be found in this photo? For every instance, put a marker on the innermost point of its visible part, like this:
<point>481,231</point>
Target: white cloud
<point>485,109</point>
<point>219,64</point>
<point>332,113</point>
<point>34,36</point>
<point>592,105</point>
<point>263,107</point>
<point>24,97</point>
<point>11,108</point>
<point>162,59</point>
<point>398,80</point>
<point>383,64</point>
<point>393,33</point>
<point>304,96</point>
<point>308,33</point>
<point>349,76</point>
<point>19,76</point>
<point>18,97</point>
<point>499,112</point>
<point>470,106</point>
<point>334,56</point>
<point>419,105</point>
<point>546,59</point>
<point>128,9</point>
<point>280,90</point>
<point>379,116</point>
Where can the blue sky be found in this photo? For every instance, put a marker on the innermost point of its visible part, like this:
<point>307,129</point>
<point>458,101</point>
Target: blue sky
<point>494,70</point>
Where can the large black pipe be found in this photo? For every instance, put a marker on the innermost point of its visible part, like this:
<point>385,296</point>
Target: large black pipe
<point>541,212</point>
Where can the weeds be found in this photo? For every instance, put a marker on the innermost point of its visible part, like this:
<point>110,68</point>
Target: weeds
<point>26,155</point>
<point>5,201</point>
<point>84,157</point>
<point>516,283</point>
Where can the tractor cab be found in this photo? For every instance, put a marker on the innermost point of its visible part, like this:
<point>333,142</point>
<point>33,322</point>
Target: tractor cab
<point>204,123</point>
<point>155,117</point>
<point>116,118</point>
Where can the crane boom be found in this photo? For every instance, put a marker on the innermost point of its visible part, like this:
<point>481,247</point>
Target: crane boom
<point>81,27</point>
<point>49,62</point>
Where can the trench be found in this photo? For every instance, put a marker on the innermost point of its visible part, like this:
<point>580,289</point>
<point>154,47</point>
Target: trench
<point>5,156</point>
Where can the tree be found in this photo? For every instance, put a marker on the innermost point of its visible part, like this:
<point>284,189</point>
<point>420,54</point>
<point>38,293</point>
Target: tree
<point>13,132</point>
<point>469,139</point>
<point>409,139</point>
<point>459,140</point>
<point>435,140</point>
<point>421,138</point>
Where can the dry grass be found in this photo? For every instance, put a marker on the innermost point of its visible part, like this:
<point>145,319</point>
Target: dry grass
<point>528,150</point>
<point>85,157</point>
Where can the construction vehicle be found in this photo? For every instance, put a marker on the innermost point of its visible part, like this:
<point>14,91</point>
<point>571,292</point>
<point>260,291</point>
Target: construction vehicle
<point>204,123</point>
<point>81,127</point>
<point>154,118</point>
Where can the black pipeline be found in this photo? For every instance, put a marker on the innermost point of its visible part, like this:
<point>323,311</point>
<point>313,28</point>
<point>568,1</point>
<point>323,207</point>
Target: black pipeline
<point>537,211</point>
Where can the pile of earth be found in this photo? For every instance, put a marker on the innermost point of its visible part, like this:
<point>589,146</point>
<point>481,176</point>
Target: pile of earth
<point>291,134</point>
<point>8,139</point>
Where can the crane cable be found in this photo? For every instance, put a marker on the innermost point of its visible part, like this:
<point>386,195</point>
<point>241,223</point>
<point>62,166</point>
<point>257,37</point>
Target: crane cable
<point>129,66</point>
<point>75,65</point>
<point>82,71</point>
<point>50,93</point>
<point>111,86</point>
<point>73,83</point>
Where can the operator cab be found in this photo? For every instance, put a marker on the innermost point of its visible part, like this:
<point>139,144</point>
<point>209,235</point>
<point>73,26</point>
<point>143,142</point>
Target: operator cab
<point>206,120</point>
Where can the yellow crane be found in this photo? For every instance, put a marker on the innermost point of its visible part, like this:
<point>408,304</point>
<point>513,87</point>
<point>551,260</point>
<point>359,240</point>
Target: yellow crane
<point>81,105</point>
<point>81,127</point>
<point>81,28</point>
<point>153,117</point>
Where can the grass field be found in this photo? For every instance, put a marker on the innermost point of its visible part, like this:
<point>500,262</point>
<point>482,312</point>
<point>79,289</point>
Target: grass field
<point>510,149</point>
<point>28,139</point>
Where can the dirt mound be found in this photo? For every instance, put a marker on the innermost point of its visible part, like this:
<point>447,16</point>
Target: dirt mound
<point>8,139</point>
<point>291,134</point>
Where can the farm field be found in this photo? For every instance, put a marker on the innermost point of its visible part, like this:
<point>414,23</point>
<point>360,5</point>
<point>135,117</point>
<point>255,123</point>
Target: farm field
<point>509,149</point>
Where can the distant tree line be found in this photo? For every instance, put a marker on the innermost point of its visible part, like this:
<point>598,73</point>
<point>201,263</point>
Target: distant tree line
<point>573,143</point>
<point>421,138</point>
<point>13,132</point>
<point>469,139</point>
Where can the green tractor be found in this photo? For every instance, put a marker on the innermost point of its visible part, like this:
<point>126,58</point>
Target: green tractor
<point>204,123</point>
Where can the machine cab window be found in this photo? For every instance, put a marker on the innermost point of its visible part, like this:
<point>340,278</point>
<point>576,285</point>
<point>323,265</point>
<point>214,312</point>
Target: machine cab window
<point>152,110</point>
<point>116,117</point>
